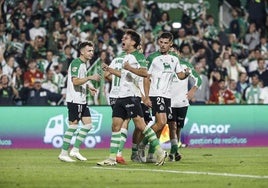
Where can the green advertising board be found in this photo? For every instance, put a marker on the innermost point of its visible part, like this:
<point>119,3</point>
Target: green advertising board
<point>205,126</point>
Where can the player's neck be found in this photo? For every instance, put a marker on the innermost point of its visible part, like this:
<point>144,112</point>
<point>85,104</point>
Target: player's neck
<point>131,50</point>
<point>84,60</point>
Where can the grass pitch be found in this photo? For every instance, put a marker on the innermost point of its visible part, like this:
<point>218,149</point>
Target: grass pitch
<point>199,167</point>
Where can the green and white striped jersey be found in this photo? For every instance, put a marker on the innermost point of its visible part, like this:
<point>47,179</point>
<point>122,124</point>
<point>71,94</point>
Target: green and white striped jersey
<point>76,94</point>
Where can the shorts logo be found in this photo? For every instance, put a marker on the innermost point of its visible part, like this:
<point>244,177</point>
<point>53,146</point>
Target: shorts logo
<point>161,107</point>
<point>129,105</point>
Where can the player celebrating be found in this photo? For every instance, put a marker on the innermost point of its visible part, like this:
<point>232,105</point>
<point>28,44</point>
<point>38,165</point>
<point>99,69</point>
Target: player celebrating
<point>77,85</point>
<point>128,104</point>
<point>163,64</point>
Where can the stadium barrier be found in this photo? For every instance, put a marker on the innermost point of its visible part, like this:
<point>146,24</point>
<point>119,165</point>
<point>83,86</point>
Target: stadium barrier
<point>205,126</point>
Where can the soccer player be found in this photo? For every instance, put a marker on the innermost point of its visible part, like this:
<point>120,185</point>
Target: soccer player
<point>128,104</point>
<point>77,85</point>
<point>180,96</point>
<point>162,66</point>
<point>113,73</point>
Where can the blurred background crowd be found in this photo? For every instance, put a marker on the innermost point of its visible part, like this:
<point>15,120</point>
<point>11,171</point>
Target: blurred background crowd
<point>39,38</point>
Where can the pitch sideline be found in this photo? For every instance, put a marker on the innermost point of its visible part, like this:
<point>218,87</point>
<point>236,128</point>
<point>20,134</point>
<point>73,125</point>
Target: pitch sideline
<point>186,172</point>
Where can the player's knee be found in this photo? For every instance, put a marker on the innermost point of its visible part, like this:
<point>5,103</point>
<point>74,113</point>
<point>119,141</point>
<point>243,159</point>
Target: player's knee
<point>73,126</point>
<point>116,128</point>
<point>88,126</point>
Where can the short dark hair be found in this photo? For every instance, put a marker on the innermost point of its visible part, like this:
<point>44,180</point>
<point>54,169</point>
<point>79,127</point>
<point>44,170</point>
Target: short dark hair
<point>166,35</point>
<point>84,44</point>
<point>134,36</point>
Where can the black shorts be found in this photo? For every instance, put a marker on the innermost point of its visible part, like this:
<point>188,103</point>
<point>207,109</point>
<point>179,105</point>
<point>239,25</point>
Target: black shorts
<point>179,115</point>
<point>112,101</point>
<point>161,105</point>
<point>77,111</point>
<point>129,107</point>
<point>146,112</point>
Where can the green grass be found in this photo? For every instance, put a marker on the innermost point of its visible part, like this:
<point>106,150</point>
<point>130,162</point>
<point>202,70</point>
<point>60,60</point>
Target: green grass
<point>200,167</point>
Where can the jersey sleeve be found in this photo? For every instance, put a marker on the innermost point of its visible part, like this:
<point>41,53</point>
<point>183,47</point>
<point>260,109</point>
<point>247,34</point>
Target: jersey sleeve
<point>193,74</point>
<point>141,60</point>
<point>75,69</point>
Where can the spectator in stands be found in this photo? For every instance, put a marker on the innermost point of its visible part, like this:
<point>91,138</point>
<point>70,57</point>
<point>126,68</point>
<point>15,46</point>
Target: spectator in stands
<point>202,94</point>
<point>67,58</point>
<point>49,62</point>
<point>252,37</point>
<point>234,26</point>
<point>54,36</point>
<point>8,92</point>
<point>148,42</point>
<point>250,62</point>
<point>257,12</point>
<point>215,52</point>
<point>32,74</point>
<point>232,85</point>
<point>100,98</point>
<point>218,67</point>
<point>222,96</point>
<point>181,37</point>
<point>235,68</point>
<point>242,83</point>
<point>38,96</point>
<point>210,31</point>
<point>214,79</point>
<point>261,71</point>
<point>49,84</point>
<point>253,91</point>
<point>58,77</point>
<point>37,30</point>
<point>18,82</point>
<point>36,49</point>
<point>264,95</point>
<point>203,61</point>
<point>9,66</point>
<point>263,46</point>
<point>225,55</point>
<point>237,47</point>
<point>187,52</point>
<point>86,23</point>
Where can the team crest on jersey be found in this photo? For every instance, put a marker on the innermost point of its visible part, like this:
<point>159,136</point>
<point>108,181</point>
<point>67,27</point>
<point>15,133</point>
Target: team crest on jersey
<point>162,107</point>
<point>166,66</point>
<point>74,69</point>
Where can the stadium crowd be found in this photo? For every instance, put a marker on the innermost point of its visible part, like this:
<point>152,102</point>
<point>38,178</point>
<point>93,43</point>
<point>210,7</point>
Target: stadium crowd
<point>39,39</point>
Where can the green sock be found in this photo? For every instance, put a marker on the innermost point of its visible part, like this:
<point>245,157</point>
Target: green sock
<point>151,137</point>
<point>151,149</point>
<point>68,137</point>
<point>114,144</point>
<point>122,141</point>
<point>134,148</point>
<point>174,146</point>
<point>81,136</point>
<point>144,141</point>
